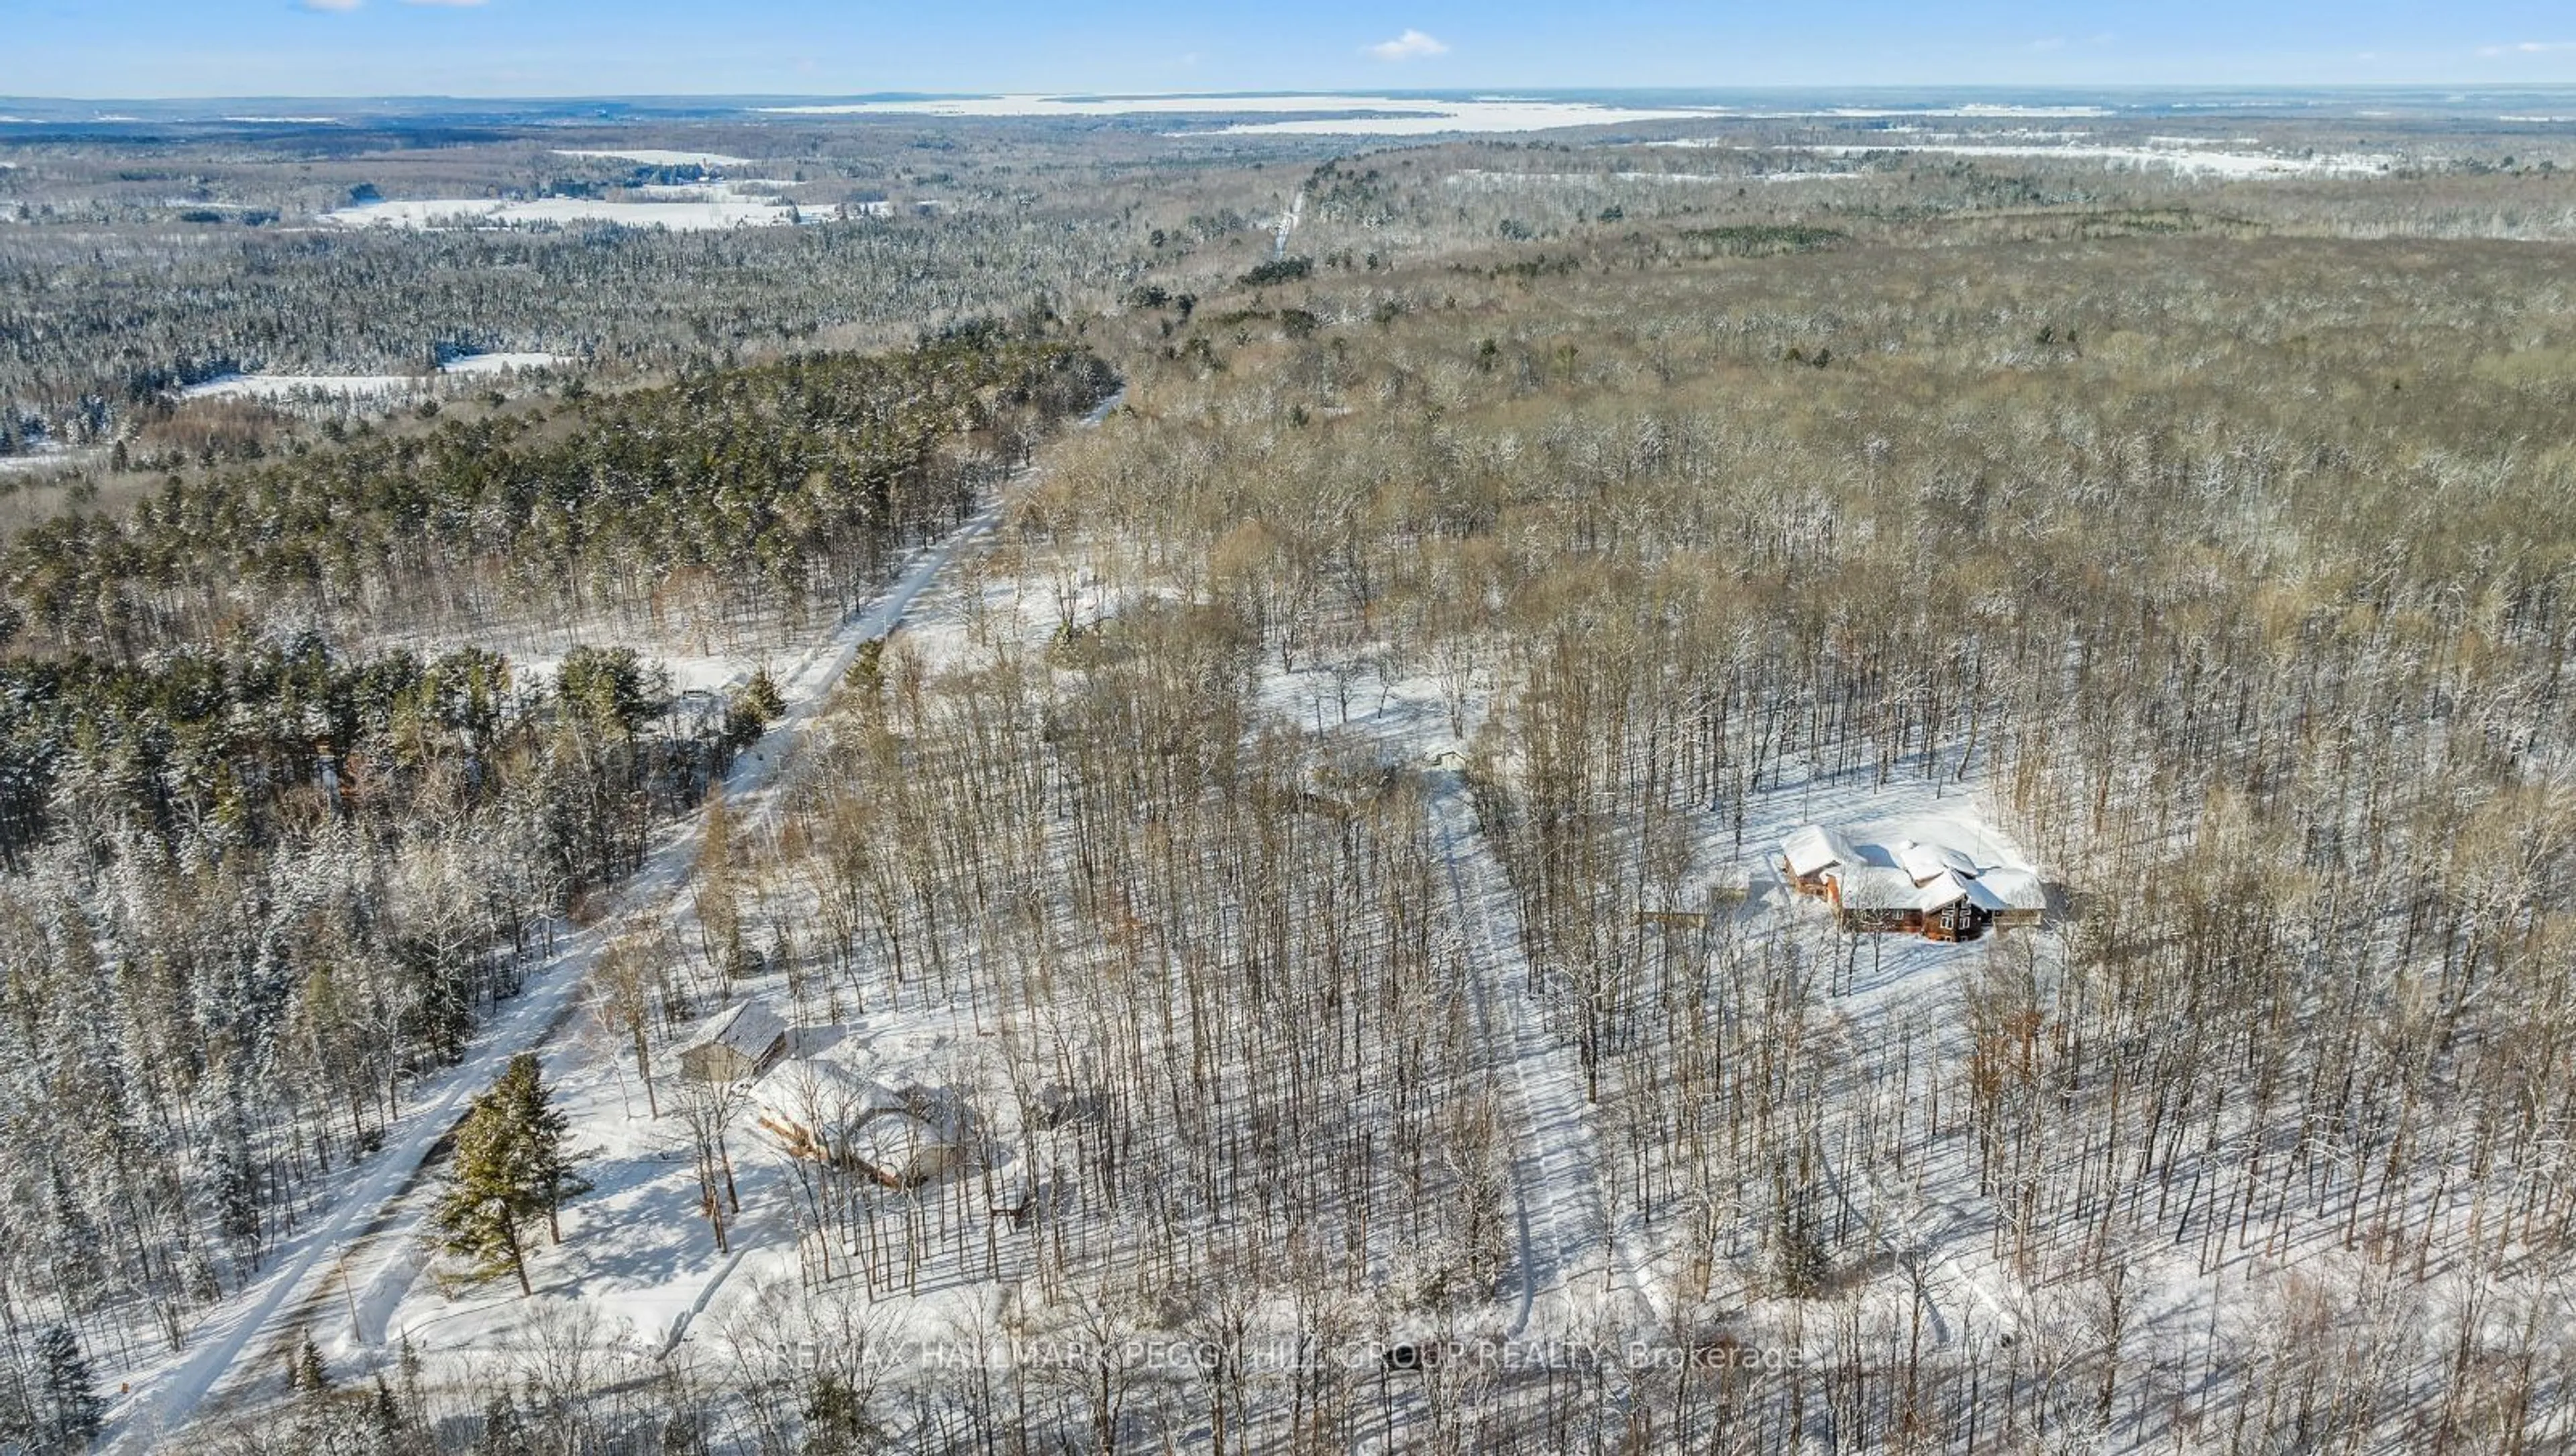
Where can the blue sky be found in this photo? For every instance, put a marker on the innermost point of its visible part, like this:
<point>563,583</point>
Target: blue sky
<point>145,48</point>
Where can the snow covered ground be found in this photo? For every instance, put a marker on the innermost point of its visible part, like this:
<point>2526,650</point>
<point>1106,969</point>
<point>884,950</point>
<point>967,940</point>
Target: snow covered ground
<point>46,455</point>
<point>1580,1262</point>
<point>656,157</point>
<point>505,363</point>
<point>2189,159</point>
<point>1308,115</point>
<point>747,189</point>
<point>471,212</point>
<point>639,1261</point>
<point>358,386</point>
<point>1560,1200</point>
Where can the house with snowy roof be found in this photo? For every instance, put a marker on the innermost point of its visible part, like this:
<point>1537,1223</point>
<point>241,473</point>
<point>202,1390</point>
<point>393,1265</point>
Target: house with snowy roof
<point>823,1112</point>
<point>1909,885</point>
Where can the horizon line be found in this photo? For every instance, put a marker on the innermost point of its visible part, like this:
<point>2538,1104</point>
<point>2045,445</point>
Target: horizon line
<point>1435,93</point>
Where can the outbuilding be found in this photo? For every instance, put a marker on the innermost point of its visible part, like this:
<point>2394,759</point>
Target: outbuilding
<point>734,1045</point>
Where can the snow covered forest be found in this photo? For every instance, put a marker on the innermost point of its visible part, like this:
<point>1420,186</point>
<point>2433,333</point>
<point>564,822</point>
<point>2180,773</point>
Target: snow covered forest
<point>1257,921</point>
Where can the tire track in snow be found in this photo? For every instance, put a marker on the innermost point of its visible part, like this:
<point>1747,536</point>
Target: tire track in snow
<point>1556,1176</point>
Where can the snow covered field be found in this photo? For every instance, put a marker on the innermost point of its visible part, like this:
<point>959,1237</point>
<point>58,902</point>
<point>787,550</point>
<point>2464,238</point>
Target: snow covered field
<point>2188,158</point>
<point>365,386</point>
<point>1305,115</point>
<point>47,456</point>
<point>656,157</point>
<point>747,189</point>
<point>710,215</point>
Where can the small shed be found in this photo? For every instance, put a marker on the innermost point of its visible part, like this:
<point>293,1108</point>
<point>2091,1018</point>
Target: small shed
<point>734,1045</point>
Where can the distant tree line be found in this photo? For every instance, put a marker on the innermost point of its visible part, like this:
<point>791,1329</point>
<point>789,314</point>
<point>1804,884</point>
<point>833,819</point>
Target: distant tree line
<point>787,483</point>
<point>86,351</point>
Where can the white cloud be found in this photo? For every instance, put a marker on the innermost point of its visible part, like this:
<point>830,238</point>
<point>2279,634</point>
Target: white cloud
<point>332,5</point>
<point>2528,48</point>
<point>1413,45</point>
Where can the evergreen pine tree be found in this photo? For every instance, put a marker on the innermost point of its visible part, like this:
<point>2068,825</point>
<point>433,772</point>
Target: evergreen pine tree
<point>479,1215</point>
<point>512,1163</point>
<point>236,1191</point>
<point>72,1408</point>
<point>20,1421</point>
<point>503,1433</point>
<point>837,1418</point>
<point>386,1417</point>
<point>307,1372</point>
<point>78,1272</point>
<point>755,706</point>
<point>408,1364</point>
<point>544,1143</point>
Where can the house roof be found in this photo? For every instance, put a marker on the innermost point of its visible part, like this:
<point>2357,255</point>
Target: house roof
<point>892,1134</point>
<point>832,1100</point>
<point>1815,848</point>
<point>1926,862</point>
<point>1942,889</point>
<point>2008,889</point>
<point>749,1028</point>
<point>1876,887</point>
<point>901,1147</point>
<point>816,1093</point>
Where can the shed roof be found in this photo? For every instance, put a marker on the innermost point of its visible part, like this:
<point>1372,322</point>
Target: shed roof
<point>749,1028</point>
